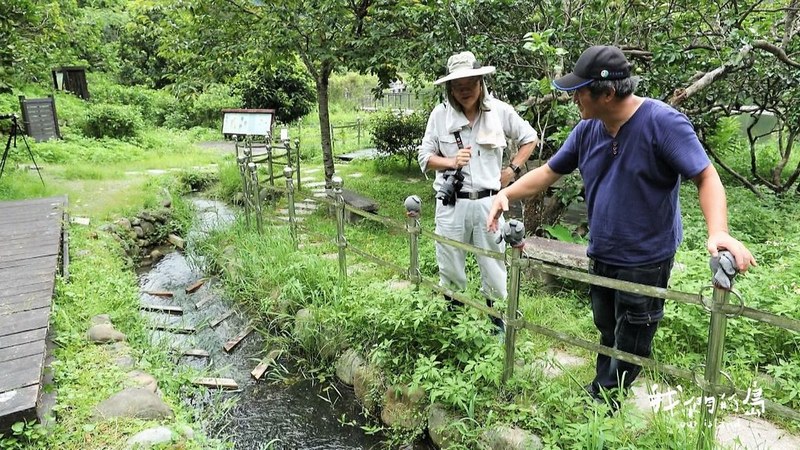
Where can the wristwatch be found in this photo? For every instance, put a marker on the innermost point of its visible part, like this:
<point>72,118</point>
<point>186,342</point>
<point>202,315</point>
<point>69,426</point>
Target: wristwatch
<point>517,169</point>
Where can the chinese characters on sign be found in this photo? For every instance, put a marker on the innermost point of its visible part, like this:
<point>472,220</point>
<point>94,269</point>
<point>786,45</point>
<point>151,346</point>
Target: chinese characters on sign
<point>669,400</point>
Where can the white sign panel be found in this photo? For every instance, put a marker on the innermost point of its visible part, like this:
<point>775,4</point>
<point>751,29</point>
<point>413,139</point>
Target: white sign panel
<point>247,122</point>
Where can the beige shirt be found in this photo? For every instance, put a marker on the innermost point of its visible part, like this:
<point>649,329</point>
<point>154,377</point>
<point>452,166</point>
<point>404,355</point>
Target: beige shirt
<point>488,138</point>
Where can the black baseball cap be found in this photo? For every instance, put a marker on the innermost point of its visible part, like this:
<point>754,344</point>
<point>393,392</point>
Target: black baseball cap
<point>600,62</point>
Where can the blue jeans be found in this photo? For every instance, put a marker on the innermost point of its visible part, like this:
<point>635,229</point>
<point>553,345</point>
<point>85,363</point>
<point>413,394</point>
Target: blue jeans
<point>626,321</point>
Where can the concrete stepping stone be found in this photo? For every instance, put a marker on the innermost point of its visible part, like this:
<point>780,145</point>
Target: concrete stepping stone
<point>297,211</point>
<point>150,438</point>
<point>286,219</point>
<point>367,153</point>
<point>314,184</point>
<point>396,285</point>
<point>556,361</point>
<point>353,269</point>
<point>310,245</point>
<point>310,171</point>
<point>356,175</point>
<point>307,204</point>
<point>80,220</point>
<point>751,432</point>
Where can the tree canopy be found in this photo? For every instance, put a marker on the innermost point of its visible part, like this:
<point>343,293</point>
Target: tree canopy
<point>712,59</point>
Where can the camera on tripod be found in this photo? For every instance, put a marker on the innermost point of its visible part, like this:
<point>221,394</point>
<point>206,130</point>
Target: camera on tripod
<point>453,182</point>
<point>12,140</point>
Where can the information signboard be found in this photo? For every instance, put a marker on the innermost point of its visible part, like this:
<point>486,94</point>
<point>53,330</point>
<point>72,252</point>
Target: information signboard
<point>39,118</point>
<point>247,122</point>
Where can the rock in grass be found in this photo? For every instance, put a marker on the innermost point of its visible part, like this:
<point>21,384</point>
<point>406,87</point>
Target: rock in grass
<point>137,403</point>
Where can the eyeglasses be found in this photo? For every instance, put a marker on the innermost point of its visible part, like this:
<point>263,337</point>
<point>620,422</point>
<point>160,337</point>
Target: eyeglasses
<point>465,83</point>
<point>614,147</point>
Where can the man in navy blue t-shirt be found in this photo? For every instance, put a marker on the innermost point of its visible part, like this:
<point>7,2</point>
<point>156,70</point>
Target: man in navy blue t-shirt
<point>632,153</point>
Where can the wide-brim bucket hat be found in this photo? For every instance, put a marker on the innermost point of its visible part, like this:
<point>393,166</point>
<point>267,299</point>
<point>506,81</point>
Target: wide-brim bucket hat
<point>464,65</point>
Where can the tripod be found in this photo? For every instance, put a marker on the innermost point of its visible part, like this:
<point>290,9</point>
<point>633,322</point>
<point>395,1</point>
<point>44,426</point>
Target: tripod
<point>12,137</point>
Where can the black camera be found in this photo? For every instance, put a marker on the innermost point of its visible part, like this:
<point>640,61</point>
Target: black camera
<point>453,182</point>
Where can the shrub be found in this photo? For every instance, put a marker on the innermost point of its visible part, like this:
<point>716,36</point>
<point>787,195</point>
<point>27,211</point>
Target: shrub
<point>204,109</point>
<point>115,121</point>
<point>286,88</point>
<point>398,135</point>
<point>154,105</point>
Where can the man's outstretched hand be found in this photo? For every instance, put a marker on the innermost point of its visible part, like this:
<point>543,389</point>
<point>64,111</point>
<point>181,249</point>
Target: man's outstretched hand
<point>499,206</point>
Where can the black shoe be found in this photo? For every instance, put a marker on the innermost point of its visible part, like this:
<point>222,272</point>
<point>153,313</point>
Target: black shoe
<point>453,304</point>
<point>607,397</point>
<point>498,322</point>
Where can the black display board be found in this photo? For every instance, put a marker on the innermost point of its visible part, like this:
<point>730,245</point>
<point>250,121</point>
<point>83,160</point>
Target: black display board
<point>39,118</point>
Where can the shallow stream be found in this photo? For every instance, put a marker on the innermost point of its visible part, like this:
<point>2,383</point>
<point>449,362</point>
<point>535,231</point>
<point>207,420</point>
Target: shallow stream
<point>282,410</point>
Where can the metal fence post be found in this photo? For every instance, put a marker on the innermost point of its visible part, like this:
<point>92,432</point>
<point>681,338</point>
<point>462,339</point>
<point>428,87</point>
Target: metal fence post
<point>256,195</point>
<point>341,243</point>
<point>413,206</point>
<point>297,163</point>
<point>270,170</point>
<point>723,270</point>
<point>242,161</point>
<point>287,172</point>
<point>358,131</point>
<point>333,139</point>
<point>513,233</point>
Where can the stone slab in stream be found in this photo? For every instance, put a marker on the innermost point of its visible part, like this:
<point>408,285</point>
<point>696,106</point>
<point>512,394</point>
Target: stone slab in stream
<point>259,370</point>
<point>175,329</point>
<point>162,308</point>
<point>160,293</point>
<point>231,344</point>
<point>222,383</point>
<point>219,319</point>
<point>195,286</point>
<point>196,352</point>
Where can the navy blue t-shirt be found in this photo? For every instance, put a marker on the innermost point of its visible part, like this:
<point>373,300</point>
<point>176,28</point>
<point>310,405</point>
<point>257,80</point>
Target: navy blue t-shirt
<point>632,196</point>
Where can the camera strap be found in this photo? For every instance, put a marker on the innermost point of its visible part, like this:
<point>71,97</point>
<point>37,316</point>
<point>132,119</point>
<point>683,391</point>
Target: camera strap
<point>459,142</point>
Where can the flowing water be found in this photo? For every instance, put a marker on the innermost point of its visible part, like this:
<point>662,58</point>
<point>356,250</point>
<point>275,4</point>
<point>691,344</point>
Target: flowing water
<point>282,410</point>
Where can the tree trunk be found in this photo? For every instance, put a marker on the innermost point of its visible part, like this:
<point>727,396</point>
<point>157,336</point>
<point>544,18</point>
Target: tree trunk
<point>541,212</point>
<point>325,124</point>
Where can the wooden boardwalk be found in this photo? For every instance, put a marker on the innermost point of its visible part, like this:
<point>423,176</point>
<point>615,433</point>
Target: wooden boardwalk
<point>30,243</point>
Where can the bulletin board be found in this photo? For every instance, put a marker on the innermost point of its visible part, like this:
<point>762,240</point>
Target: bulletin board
<point>247,122</point>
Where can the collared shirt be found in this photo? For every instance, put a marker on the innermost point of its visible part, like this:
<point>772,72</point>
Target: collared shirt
<point>487,137</point>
